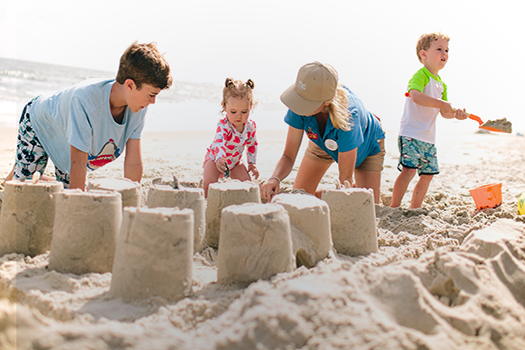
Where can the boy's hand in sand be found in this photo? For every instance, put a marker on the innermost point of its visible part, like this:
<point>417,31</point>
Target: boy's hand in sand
<point>253,169</point>
<point>270,188</point>
<point>221,164</point>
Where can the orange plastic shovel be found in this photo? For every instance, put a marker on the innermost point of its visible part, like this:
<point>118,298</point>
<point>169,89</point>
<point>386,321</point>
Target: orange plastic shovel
<point>476,118</point>
<point>481,126</point>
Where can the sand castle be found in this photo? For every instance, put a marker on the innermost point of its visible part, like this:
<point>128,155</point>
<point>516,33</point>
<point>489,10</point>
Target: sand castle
<point>353,220</point>
<point>27,217</point>
<point>310,227</point>
<point>255,243</point>
<point>154,254</point>
<point>192,198</point>
<point>85,231</point>
<point>129,190</point>
<point>91,232</point>
<point>221,195</point>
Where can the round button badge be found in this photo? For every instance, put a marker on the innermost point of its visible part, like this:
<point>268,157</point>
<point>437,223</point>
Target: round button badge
<point>330,144</point>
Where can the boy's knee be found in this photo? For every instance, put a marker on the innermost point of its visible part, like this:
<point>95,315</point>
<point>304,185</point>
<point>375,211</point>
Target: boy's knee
<point>426,177</point>
<point>408,171</point>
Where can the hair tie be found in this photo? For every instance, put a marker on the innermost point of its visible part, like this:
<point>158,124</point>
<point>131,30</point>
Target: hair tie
<point>250,84</point>
<point>229,82</point>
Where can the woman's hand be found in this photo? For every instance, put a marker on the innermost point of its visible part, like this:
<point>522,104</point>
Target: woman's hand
<point>270,188</point>
<point>253,169</point>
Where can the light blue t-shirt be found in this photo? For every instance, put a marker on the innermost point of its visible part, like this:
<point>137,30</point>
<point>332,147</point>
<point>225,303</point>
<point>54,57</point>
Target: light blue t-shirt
<point>365,131</point>
<point>80,116</point>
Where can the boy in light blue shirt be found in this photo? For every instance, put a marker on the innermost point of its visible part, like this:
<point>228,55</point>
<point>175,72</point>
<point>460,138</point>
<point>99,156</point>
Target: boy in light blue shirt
<point>89,124</point>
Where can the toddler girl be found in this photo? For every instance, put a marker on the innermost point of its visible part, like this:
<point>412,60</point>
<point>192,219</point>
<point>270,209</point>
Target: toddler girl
<point>234,133</point>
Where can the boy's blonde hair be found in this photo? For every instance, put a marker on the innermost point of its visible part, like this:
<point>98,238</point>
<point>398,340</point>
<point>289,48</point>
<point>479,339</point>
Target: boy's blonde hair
<point>426,40</point>
<point>238,89</point>
<point>338,109</point>
<point>144,64</point>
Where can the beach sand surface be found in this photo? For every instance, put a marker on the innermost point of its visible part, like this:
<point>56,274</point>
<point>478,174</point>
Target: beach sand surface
<point>446,276</point>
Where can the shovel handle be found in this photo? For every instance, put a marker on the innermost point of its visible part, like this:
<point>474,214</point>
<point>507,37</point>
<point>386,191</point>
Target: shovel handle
<point>475,117</point>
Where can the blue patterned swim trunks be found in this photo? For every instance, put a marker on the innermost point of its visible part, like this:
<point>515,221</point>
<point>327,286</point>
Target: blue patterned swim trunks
<point>418,155</point>
<point>30,155</point>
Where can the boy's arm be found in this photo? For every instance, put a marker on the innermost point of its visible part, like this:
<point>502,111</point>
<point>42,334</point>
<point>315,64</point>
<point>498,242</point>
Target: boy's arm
<point>133,160</point>
<point>445,107</point>
<point>77,172</point>
<point>425,100</point>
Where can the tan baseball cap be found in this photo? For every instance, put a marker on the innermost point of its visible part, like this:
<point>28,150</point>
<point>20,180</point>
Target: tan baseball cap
<point>316,83</point>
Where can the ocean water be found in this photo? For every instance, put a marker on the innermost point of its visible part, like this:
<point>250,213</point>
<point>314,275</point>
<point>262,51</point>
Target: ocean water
<point>185,106</point>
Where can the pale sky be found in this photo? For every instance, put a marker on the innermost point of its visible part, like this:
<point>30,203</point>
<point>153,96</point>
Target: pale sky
<point>370,43</point>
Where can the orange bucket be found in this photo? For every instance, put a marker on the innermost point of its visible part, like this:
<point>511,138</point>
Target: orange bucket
<point>487,195</point>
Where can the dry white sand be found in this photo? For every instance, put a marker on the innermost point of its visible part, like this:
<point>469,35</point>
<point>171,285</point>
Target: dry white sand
<point>446,276</point>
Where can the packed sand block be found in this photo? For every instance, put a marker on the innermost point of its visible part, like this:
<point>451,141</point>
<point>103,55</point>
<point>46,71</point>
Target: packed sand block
<point>154,256</point>
<point>85,231</point>
<point>27,216</point>
<point>501,124</point>
<point>221,195</point>
<point>353,220</point>
<point>129,190</point>
<point>185,197</point>
<point>310,227</point>
<point>255,243</point>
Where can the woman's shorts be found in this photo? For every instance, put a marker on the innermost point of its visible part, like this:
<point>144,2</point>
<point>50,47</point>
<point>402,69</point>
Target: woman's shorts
<point>416,154</point>
<point>371,163</point>
<point>30,154</point>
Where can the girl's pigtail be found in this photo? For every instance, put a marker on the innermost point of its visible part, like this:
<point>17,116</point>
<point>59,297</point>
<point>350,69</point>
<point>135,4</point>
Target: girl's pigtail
<point>250,84</point>
<point>229,83</point>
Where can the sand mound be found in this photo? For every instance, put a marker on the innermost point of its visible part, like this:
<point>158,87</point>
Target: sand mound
<point>468,296</point>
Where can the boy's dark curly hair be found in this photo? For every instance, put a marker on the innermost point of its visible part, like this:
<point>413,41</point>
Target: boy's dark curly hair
<point>144,64</point>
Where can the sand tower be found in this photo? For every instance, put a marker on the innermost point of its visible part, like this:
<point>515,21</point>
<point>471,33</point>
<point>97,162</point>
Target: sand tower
<point>221,195</point>
<point>129,190</point>
<point>185,197</point>
<point>310,226</point>
<point>27,216</point>
<point>85,231</point>
<point>154,254</point>
<point>255,243</point>
<point>353,220</point>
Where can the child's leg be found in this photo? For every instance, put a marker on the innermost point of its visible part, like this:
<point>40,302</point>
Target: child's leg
<point>401,185</point>
<point>239,172</point>
<point>420,191</point>
<point>368,174</point>
<point>30,154</point>
<point>211,174</point>
<point>429,167</point>
<point>369,179</point>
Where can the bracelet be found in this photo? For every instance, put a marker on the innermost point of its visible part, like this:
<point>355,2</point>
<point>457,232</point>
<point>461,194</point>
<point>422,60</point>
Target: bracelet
<point>276,178</point>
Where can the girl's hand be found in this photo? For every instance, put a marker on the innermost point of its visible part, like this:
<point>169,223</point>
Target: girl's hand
<point>270,188</point>
<point>221,164</point>
<point>253,169</point>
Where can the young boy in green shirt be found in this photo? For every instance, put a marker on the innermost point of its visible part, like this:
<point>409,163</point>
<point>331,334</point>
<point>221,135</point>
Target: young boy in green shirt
<point>426,97</point>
